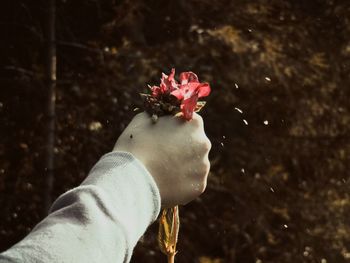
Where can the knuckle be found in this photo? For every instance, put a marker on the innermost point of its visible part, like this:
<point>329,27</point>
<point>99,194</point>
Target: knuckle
<point>202,165</point>
<point>202,187</point>
<point>207,145</point>
<point>206,168</point>
<point>207,164</point>
<point>197,120</point>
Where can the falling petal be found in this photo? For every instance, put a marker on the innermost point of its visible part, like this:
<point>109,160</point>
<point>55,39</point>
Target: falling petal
<point>239,110</point>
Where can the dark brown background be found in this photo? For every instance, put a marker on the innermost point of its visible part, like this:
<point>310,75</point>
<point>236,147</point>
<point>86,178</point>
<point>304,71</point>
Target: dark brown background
<point>276,193</point>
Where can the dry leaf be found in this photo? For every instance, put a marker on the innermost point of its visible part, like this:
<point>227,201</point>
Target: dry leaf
<point>169,225</point>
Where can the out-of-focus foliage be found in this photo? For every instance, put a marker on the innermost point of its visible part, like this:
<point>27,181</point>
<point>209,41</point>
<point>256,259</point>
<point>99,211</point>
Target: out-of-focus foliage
<point>279,186</point>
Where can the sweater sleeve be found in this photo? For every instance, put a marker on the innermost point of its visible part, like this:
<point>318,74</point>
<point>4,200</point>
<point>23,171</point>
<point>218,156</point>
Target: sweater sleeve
<point>99,221</point>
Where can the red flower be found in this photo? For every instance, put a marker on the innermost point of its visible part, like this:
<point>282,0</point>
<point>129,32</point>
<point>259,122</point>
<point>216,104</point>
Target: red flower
<point>189,92</point>
<point>167,85</point>
<point>155,91</point>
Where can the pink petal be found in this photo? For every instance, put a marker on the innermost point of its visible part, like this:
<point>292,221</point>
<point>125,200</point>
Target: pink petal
<point>188,106</point>
<point>171,75</point>
<point>163,88</point>
<point>168,83</point>
<point>189,89</point>
<point>186,77</point>
<point>155,91</point>
<point>178,93</point>
<point>203,90</point>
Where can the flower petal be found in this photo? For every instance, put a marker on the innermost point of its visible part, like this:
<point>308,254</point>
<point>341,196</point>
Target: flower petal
<point>156,92</point>
<point>168,83</point>
<point>186,77</point>
<point>188,106</point>
<point>171,75</point>
<point>203,90</point>
<point>186,91</point>
<point>189,89</point>
<point>178,93</point>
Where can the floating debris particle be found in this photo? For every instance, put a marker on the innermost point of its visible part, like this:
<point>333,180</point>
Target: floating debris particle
<point>239,110</point>
<point>95,126</point>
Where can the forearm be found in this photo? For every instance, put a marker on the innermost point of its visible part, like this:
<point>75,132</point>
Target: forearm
<point>99,221</point>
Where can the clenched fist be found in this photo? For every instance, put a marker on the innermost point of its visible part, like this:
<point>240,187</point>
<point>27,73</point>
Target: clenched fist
<point>174,151</point>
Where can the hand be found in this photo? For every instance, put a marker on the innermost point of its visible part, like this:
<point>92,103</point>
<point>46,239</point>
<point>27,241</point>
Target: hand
<point>174,151</point>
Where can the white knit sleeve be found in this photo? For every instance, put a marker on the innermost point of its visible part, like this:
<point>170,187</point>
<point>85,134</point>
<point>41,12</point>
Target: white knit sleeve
<point>99,221</point>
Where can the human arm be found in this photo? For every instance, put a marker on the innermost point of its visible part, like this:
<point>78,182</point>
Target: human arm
<point>102,219</point>
<point>99,221</point>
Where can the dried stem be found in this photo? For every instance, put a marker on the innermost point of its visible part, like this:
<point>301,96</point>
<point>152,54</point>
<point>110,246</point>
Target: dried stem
<point>171,258</point>
<point>169,224</point>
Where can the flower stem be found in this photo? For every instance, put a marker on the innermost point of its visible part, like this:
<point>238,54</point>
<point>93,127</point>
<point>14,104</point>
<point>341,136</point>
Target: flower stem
<point>169,224</point>
<point>171,258</point>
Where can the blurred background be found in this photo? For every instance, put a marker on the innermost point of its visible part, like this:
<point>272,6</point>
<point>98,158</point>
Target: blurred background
<point>278,116</point>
